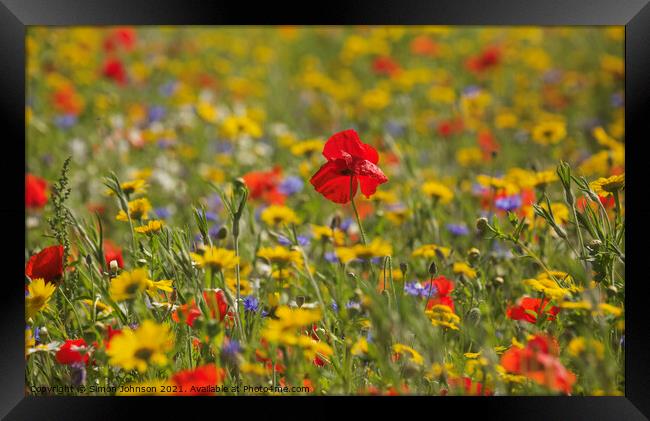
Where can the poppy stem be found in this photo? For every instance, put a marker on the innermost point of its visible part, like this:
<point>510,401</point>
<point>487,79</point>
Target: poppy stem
<point>356,213</point>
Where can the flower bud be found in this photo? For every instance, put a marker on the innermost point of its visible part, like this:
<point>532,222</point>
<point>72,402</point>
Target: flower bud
<point>473,254</point>
<point>114,266</point>
<point>336,222</point>
<point>498,281</point>
<point>432,268</point>
<point>300,300</point>
<point>481,224</point>
<point>403,267</point>
<point>222,233</point>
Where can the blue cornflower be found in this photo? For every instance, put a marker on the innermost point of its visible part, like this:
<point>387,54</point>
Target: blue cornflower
<point>162,212</point>
<point>331,257</point>
<point>335,306</point>
<point>156,113</point>
<point>508,203</point>
<point>65,121</point>
<point>458,229</point>
<point>251,303</point>
<point>291,185</point>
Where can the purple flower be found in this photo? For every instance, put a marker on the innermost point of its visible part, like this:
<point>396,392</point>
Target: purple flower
<point>78,374</point>
<point>291,185</point>
<point>335,306</point>
<point>331,257</point>
<point>162,212</point>
<point>302,240</point>
<point>458,229</point>
<point>214,230</point>
<point>345,224</point>
<point>156,113</point>
<point>508,203</point>
<point>65,121</point>
<point>618,100</point>
<point>211,216</point>
<point>168,88</point>
<point>251,303</point>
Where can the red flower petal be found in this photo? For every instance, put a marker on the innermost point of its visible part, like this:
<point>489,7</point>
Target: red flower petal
<point>48,264</point>
<point>331,183</point>
<point>344,144</point>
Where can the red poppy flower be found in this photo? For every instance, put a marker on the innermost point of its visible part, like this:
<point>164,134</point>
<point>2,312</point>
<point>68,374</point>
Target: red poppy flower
<point>66,100</point>
<point>348,159</point>
<point>186,312</point>
<point>424,46</point>
<point>114,69</point>
<point>539,362</point>
<point>47,264</point>
<point>200,381</point>
<point>120,37</point>
<point>110,332</point>
<point>385,66</point>
<point>468,386</point>
<point>72,351</point>
<point>35,192</point>
<point>264,185</point>
<point>113,252</point>
<point>529,309</point>
<point>485,60</point>
<point>216,301</point>
<point>444,287</point>
<point>450,127</point>
<point>488,144</point>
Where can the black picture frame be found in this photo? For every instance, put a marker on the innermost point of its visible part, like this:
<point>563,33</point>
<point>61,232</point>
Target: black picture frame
<point>16,15</point>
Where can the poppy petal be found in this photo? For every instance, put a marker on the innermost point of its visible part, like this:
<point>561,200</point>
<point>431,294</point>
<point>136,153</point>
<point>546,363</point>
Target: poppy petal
<point>343,144</point>
<point>335,186</point>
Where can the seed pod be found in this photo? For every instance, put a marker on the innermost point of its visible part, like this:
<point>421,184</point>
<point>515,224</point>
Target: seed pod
<point>473,254</point>
<point>498,281</point>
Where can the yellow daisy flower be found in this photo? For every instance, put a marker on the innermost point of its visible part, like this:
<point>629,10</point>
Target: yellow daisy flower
<point>217,259</point>
<point>275,215</point>
<point>279,255</point>
<point>607,186</point>
<point>39,294</point>
<point>151,227</point>
<point>138,209</point>
<point>127,284</point>
<point>140,348</point>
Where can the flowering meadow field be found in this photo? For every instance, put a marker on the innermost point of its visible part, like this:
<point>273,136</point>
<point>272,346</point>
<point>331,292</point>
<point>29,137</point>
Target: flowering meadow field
<point>325,211</point>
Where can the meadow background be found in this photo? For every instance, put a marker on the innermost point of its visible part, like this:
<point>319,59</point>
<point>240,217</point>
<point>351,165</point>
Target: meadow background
<point>182,245</point>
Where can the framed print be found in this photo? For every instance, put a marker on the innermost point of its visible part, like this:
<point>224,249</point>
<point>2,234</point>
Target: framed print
<point>415,204</point>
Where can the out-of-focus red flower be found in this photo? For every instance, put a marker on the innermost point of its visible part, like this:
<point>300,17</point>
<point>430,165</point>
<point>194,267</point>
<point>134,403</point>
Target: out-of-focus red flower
<point>444,287</point>
<point>47,264</point>
<point>216,302</point>
<point>199,381</point>
<point>114,69</point>
<point>187,313</point>
<point>607,202</point>
<point>529,309</point>
<point>468,386</point>
<point>349,163</point>
<point>385,65</point>
<point>263,185</point>
<point>110,332</point>
<point>72,351</point>
<point>424,46</point>
<point>539,361</point>
<point>487,59</point>
<point>66,100</point>
<point>113,252</point>
<point>450,127</point>
<point>487,143</point>
<point>35,192</point>
<point>123,37</point>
